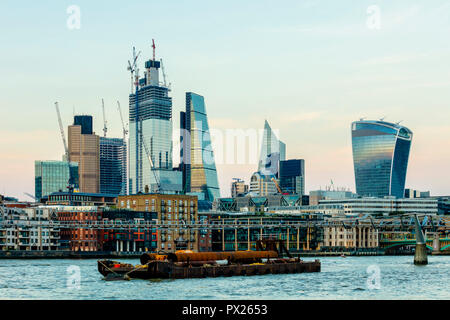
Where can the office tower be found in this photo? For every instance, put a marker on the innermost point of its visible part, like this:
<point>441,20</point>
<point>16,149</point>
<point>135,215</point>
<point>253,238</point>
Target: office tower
<point>272,152</point>
<point>238,188</point>
<point>113,166</point>
<point>84,148</point>
<point>150,133</point>
<point>292,176</point>
<point>261,185</point>
<point>380,156</point>
<point>53,176</point>
<point>196,155</point>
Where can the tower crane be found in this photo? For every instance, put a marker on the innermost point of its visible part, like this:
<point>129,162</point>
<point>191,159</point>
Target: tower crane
<point>125,130</point>
<point>158,183</point>
<point>70,183</point>
<point>134,71</point>
<point>105,128</point>
<point>166,84</point>
<point>154,49</point>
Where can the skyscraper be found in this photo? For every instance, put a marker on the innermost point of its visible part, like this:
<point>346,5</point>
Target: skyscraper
<point>196,154</point>
<point>113,166</point>
<point>292,176</point>
<point>150,130</point>
<point>84,148</point>
<point>380,156</point>
<point>272,152</point>
<point>53,176</point>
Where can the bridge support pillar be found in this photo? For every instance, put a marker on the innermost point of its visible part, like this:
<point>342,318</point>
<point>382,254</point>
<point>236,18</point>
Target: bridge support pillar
<point>420,256</point>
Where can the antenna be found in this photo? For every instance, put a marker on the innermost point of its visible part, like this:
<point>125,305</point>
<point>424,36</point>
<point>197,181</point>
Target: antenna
<point>382,119</point>
<point>399,122</point>
<point>105,128</point>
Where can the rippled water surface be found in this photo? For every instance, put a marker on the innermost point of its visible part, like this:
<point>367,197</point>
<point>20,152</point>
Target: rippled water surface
<point>340,278</point>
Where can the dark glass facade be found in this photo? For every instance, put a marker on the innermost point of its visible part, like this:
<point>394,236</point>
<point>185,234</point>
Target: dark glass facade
<point>113,166</point>
<point>292,176</point>
<point>380,156</point>
<point>85,122</point>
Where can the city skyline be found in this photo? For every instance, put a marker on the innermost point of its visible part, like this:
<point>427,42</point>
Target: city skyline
<point>314,96</point>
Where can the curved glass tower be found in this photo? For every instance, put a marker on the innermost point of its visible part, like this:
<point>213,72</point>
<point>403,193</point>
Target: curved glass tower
<point>196,154</point>
<point>380,157</point>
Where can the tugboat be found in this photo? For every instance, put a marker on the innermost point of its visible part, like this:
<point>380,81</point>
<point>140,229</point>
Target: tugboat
<point>187,264</point>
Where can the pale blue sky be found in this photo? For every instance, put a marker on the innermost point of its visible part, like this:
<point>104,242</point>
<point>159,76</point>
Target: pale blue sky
<point>309,67</point>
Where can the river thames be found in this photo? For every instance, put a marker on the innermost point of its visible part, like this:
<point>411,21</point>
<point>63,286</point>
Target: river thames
<point>382,277</point>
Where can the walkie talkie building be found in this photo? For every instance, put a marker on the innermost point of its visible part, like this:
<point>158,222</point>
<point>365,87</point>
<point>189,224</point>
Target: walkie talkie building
<point>380,157</point>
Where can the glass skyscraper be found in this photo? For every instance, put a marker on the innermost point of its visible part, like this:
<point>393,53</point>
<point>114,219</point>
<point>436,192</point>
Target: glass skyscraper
<point>113,166</point>
<point>272,152</point>
<point>196,154</point>
<point>380,156</point>
<point>150,130</point>
<point>53,176</point>
<point>292,176</point>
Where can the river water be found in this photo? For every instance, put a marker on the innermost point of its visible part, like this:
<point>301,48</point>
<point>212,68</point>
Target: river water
<point>383,277</point>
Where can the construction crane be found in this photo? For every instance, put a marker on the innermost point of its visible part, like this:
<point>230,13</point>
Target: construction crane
<point>70,183</point>
<point>278,187</point>
<point>134,71</point>
<point>158,183</point>
<point>105,127</point>
<point>125,131</point>
<point>166,83</point>
<point>132,67</point>
<point>154,50</point>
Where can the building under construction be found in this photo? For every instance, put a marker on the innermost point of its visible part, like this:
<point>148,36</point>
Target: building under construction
<point>150,156</point>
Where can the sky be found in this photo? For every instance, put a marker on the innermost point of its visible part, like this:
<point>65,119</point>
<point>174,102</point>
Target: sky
<point>309,67</point>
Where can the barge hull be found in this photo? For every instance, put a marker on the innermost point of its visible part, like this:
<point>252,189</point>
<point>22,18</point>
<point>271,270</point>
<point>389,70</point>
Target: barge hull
<point>166,270</point>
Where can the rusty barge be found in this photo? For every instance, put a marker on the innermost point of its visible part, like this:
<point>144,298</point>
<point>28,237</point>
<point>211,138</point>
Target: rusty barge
<point>188,264</point>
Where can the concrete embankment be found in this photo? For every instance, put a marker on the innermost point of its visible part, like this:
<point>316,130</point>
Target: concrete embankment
<point>67,255</point>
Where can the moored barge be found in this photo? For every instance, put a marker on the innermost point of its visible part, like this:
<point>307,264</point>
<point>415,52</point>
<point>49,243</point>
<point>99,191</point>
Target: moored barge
<point>188,264</point>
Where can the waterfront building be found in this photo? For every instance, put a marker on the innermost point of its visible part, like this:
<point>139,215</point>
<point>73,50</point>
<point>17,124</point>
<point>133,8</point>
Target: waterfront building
<point>78,238</point>
<point>238,188</point>
<point>136,239</point>
<point>113,166</point>
<point>272,152</point>
<point>262,185</point>
<point>318,195</point>
<point>386,206</point>
<point>53,176</point>
<point>84,148</point>
<point>380,156</point>
<point>171,209</point>
<point>150,139</point>
<point>80,199</point>
<point>196,153</point>
<point>28,229</point>
<point>337,237</point>
<point>296,238</point>
<point>324,210</point>
<point>292,176</point>
<point>258,204</point>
